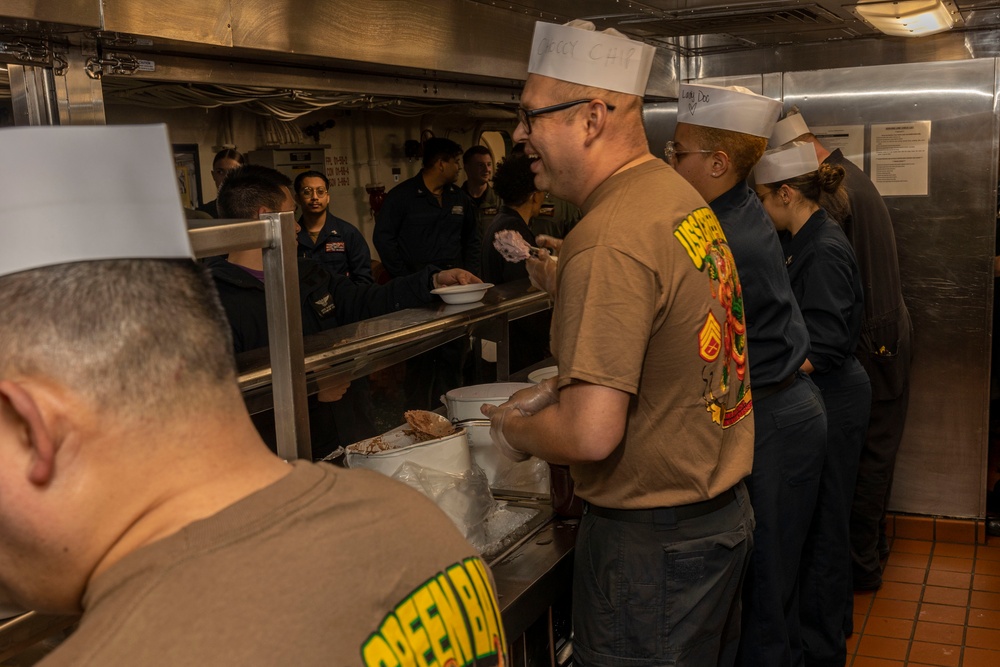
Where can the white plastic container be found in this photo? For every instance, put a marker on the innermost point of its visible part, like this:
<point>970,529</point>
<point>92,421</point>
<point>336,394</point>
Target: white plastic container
<point>448,454</point>
<point>485,454</point>
<point>458,294</point>
<point>543,374</point>
<point>464,402</point>
<point>501,471</point>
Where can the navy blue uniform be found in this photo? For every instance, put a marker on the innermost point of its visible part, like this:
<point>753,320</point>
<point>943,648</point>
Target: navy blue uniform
<point>487,205</point>
<point>827,286</point>
<point>529,336</point>
<point>789,433</point>
<point>327,301</point>
<point>414,229</point>
<point>340,248</point>
<point>495,268</point>
<point>884,351</point>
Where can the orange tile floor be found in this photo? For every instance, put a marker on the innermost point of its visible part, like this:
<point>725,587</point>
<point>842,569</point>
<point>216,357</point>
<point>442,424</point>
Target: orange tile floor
<point>939,603</point>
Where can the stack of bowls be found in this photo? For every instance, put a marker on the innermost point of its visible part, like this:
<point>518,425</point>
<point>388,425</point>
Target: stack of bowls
<point>463,406</point>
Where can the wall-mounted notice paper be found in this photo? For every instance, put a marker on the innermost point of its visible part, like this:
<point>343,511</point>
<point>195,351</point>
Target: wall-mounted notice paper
<point>899,158</point>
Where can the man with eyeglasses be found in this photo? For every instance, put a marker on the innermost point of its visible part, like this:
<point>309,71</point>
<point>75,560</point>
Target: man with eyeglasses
<point>721,134</point>
<point>341,249</point>
<point>651,407</point>
<point>334,243</point>
<point>428,219</point>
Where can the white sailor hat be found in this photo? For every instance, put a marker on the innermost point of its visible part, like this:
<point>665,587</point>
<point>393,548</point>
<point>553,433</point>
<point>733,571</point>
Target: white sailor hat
<point>83,193</point>
<point>789,128</point>
<point>780,164</point>
<point>733,108</point>
<point>578,53</point>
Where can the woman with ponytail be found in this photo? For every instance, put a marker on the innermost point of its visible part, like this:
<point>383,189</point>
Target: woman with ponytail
<point>796,191</point>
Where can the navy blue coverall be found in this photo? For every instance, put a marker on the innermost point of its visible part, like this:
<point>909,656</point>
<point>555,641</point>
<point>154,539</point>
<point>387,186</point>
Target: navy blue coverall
<point>826,282</point>
<point>789,433</point>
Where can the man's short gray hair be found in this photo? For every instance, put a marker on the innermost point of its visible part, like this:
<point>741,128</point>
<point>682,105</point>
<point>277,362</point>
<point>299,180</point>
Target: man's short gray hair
<point>137,337</point>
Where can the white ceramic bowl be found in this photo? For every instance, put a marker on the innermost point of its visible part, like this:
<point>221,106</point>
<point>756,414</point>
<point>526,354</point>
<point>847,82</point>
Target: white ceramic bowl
<point>462,293</point>
<point>464,402</point>
<point>543,374</point>
<point>447,454</point>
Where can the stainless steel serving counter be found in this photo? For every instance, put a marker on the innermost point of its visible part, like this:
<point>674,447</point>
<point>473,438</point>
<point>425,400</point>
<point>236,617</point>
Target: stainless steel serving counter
<point>535,572</point>
<point>356,350</point>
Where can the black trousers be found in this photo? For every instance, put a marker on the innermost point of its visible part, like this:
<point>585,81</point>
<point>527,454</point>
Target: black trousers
<point>871,494</point>
<point>888,367</point>
<point>826,595</point>
<point>789,447</point>
<point>648,594</point>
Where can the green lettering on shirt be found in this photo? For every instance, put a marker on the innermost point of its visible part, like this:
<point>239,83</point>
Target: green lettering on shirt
<point>451,620</point>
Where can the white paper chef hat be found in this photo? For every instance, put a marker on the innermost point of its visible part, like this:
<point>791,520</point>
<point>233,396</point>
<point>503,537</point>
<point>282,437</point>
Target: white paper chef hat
<point>578,53</point>
<point>789,128</point>
<point>81,193</point>
<point>779,164</point>
<point>733,108</point>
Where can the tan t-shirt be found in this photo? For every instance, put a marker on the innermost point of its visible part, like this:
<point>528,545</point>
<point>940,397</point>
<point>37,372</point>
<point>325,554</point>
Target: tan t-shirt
<point>324,567</point>
<point>649,303</point>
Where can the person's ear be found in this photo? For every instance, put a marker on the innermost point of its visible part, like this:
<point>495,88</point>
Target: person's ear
<point>37,433</point>
<point>719,162</point>
<point>596,118</point>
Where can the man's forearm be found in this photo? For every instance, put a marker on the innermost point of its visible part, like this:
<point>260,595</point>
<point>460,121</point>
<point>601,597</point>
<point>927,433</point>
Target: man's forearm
<point>580,428</point>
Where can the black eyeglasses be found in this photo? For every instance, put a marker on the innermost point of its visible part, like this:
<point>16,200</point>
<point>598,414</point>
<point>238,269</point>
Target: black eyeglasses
<point>308,192</point>
<point>671,153</point>
<point>524,116</point>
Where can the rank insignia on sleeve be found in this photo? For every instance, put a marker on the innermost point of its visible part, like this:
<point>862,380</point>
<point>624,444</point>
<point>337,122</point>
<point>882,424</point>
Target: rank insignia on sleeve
<point>710,339</point>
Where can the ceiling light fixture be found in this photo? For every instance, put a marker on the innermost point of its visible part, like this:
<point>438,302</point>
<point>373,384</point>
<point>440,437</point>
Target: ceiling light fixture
<point>909,18</point>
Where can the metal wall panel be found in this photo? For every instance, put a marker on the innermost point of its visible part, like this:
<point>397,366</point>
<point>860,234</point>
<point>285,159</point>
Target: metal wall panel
<point>946,247</point>
<point>835,54</point>
<point>79,98</point>
<point>663,81</point>
<point>437,35</point>
<point>32,95</point>
<point>85,13</point>
<point>660,118</point>
<point>174,69</point>
<point>196,21</point>
<point>443,35</point>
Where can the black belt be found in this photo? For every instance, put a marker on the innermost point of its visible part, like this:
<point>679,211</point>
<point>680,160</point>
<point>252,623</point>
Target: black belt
<point>760,393</point>
<point>664,514</point>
